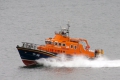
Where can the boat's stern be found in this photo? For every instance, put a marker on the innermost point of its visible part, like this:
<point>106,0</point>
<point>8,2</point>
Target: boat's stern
<point>99,52</point>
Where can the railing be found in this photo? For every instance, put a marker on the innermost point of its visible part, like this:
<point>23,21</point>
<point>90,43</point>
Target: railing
<point>29,45</point>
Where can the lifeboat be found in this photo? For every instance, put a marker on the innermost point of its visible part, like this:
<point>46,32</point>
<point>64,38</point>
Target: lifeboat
<point>61,43</point>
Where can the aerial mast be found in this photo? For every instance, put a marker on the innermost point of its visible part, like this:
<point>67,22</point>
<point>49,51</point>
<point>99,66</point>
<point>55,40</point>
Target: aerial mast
<point>68,28</point>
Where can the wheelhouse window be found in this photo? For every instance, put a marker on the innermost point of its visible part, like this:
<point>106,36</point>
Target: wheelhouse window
<point>71,46</point>
<point>75,47</point>
<point>48,42</point>
<point>59,44</point>
<point>63,44</point>
<point>55,43</point>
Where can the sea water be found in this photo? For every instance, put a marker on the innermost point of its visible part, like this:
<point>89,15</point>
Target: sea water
<point>32,21</point>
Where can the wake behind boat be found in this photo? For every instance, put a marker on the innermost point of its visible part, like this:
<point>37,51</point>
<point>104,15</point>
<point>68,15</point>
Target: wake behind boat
<point>61,43</point>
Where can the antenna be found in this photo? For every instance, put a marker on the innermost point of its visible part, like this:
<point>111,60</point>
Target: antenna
<point>68,28</point>
<point>68,24</point>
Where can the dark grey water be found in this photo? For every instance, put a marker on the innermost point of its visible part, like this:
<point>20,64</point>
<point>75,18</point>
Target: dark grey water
<point>34,20</point>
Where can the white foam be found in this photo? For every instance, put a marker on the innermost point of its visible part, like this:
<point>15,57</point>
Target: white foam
<point>79,61</point>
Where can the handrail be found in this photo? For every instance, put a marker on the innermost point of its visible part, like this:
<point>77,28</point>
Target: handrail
<point>87,47</point>
<point>80,39</point>
<point>29,45</point>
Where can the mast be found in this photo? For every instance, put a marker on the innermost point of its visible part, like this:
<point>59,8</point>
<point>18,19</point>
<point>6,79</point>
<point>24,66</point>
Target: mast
<point>68,31</point>
<point>68,28</point>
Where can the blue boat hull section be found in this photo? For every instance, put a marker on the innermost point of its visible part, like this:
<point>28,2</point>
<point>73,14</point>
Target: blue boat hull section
<point>30,54</point>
